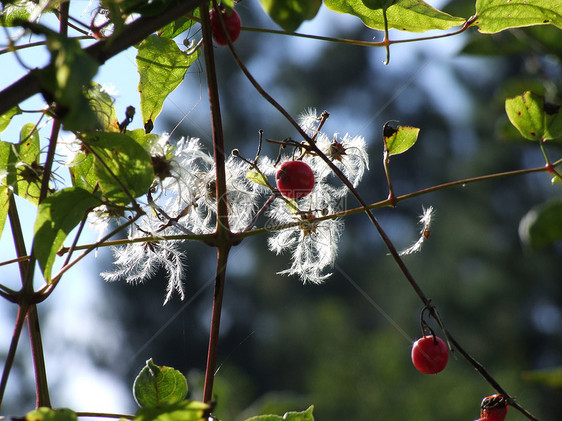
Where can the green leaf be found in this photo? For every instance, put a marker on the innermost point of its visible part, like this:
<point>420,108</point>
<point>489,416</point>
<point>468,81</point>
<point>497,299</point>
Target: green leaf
<point>162,67</point>
<point>497,15</point>
<point>101,103</point>
<point>399,140</point>
<point>67,78</point>
<point>292,205</point>
<point>58,214</point>
<point>157,387</point>
<point>4,206</point>
<point>289,14</point>
<point>542,225</point>
<point>289,416</point>
<point>146,140</point>
<point>19,164</point>
<point>48,414</point>
<point>116,162</point>
<point>404,15</point>
<point>14,13</point>
<point>257,178</point>
<point>7,117</point>
<point>550,377</point>
<point>535,119</point>
<point>180,411</point>
<point>177,27</point>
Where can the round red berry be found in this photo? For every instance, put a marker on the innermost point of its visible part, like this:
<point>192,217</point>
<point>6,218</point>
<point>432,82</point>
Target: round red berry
<point>232,22</point>
<point>295,179</point>
<point>430,354</point>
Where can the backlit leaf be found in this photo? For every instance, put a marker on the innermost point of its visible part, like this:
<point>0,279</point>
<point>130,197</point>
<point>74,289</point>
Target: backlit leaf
<point>180,411</point>
<point>401,139</point>
<point>4,206</point>
<point>58,214</point>
<point>7,117</point>
<point>157,386</point>
<point>289,14</point>
<point>101,103</point>
<point>534,118</point>
<point>404,15</point>
<point>162,67</point>
<point>289,416</point>
<point>257,178</point>
<point>116,162</point>
<point>497,15</point>
<point>48,414</point>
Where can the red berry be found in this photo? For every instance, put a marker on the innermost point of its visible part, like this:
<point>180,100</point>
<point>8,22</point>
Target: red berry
<point>295,179</point>
<point>430,354</point>
<point>232,22</point>
<point>493,408</point>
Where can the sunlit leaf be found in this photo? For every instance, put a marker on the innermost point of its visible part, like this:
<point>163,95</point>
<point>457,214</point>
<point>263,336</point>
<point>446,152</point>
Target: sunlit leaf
<point>4,206</point>
<point>289,14</point>
<point>162,67</point>
<point>67,78</point>
<point>116,162</point>
<point>19,164</point>
<point>257,178</point>
<point>48,414</point>
<point>58,214</point>
<point>497,15</point>
<point>405,15</point>
<point>534,118</point>
<point>180,411</point>
<point>101,104</point>
<point>177,27</point>
<point>289,416</point>
<point>7,117</point>
<point>157,386</point>
<point>12,14</point>
<point>399,140</point>
<point>542,225</point>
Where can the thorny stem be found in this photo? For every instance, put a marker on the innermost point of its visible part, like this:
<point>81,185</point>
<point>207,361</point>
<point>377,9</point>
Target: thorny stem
<point>388,243</point>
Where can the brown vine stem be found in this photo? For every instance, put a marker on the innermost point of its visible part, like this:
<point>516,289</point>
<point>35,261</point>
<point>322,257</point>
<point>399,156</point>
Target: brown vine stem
<point>223,236</point>
<point>388,243</point>
<point>208,238</point>
<point>20,320</point>
<point>29,309</point>
<point>359,43</point>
